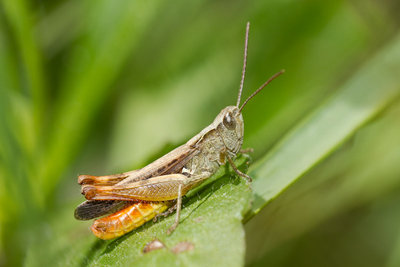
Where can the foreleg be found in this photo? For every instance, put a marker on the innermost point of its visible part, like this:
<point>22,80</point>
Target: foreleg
<point>241,174</point>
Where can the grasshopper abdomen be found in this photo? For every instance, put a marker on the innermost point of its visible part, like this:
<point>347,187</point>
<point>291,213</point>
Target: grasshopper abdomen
<point>127,219</point>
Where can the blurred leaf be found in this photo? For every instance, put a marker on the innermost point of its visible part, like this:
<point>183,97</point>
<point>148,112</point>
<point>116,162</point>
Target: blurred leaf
<point>60,27</point>
<point>394,259</point>
<point>139,110</point>
<point>21,20</point>
<point>370,90</point>
<point>16,136</point>
<point>111,34</point>
<point>315,65</point>
<point>359,173</point>
<point>361,236</point>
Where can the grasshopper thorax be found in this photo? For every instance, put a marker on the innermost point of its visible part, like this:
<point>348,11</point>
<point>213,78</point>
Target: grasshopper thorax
<point>230,126</point>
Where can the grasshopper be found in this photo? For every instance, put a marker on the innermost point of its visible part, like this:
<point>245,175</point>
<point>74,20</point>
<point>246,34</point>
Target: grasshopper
<point>135,197</point>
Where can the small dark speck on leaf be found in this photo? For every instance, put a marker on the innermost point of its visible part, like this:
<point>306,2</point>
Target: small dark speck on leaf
<point>198,219</point>
<point>153,245</point>
<point>182,247</point>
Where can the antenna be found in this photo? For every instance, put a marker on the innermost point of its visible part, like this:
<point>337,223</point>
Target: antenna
<point>244,64</point>
<point>261,87</point>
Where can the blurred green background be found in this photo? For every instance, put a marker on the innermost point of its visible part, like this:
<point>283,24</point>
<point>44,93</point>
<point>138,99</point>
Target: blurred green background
<point>100,87</point>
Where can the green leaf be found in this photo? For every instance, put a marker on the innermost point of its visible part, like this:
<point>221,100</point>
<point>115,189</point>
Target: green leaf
<point>211,220</point>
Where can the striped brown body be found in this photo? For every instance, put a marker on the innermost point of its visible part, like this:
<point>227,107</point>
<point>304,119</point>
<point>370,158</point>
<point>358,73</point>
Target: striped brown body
<point>127,219</point>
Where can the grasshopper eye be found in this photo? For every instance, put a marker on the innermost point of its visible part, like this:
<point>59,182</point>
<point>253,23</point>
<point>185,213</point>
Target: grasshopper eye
<point>229,122</point>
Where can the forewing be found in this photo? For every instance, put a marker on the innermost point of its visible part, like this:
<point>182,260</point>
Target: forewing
<point>170,163</point>
<point>160,188</point>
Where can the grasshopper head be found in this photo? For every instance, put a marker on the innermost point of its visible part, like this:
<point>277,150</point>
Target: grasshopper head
<point>229,121</point>
<point>231,128</point>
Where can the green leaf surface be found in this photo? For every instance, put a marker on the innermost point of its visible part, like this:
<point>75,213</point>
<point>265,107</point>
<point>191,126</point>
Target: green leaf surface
<point>211,220</point>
